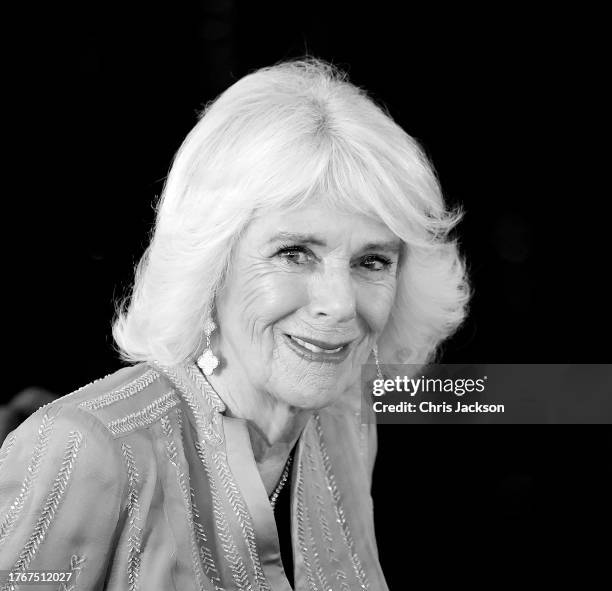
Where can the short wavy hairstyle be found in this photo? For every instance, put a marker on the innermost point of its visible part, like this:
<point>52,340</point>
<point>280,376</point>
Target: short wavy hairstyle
<point>277,138</point>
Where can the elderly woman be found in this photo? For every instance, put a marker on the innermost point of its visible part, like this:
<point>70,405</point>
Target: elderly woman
<point>301,233</point>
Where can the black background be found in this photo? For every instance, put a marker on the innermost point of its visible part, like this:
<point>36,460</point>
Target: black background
<point>507,103</point>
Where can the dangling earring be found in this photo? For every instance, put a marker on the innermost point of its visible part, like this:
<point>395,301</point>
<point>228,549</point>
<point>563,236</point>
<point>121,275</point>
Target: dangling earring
<point>207,362</point>
<point>378,371</point>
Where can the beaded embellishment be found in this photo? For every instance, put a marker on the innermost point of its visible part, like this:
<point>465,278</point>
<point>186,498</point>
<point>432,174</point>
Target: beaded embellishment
<point>151,413</point>
<point>49,510</point>
<point>281,483</point>
<point>44,433</point>
<point>122,393</point>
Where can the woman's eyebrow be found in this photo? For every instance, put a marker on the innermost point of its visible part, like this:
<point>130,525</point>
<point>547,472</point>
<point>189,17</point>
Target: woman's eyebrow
<point>296,237</point>
<point>392,246</point>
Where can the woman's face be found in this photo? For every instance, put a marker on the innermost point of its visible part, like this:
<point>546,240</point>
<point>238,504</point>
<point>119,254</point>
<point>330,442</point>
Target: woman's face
<point>308,294</point>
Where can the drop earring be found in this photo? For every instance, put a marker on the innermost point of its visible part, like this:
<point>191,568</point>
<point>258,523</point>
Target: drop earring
<point>378,370</point>
<point>208,361</point>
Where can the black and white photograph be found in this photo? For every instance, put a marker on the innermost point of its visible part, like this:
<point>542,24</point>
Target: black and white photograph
<point>305,296</point>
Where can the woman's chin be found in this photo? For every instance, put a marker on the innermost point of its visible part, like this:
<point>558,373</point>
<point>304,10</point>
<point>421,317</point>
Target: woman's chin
<point>309,397</point>
<point>310,384</point>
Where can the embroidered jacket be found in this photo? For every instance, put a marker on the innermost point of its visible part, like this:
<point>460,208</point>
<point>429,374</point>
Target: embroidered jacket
<point>139,482</point>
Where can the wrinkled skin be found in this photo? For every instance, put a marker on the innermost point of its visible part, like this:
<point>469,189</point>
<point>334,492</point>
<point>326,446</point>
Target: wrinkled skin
<point>337,291</point>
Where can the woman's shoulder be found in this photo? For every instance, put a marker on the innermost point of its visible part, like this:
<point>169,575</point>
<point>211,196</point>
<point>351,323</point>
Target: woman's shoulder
<point>118,403</point>
<point>65,464</point>
<point>78,437</point>
<point>88,424</point>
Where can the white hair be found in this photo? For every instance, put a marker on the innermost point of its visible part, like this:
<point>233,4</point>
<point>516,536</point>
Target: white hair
<point>277,138</point>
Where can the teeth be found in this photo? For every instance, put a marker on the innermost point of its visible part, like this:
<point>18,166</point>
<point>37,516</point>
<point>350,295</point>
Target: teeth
<point>314,348</point>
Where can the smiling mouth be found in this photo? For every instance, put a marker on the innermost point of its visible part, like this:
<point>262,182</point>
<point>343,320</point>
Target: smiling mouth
<point>314,348</point>
<point>318,347</point>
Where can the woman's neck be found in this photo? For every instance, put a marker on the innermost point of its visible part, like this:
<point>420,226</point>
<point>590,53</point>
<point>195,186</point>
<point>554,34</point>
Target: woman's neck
<point>274,426</point>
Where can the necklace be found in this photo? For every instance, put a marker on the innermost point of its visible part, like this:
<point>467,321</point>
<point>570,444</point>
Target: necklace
<point>220,406</point>
<point>283,479</point>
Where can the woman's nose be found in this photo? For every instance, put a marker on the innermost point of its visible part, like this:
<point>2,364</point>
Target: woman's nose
<point>332,294</point>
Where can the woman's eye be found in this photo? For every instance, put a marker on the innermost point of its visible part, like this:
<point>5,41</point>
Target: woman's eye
<point>297,255</point>
<point>375,262</point>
